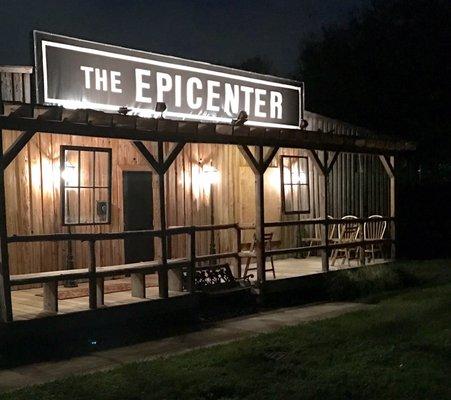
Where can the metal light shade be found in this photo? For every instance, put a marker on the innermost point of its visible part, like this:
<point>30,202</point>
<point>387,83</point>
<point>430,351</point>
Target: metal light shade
<point>160,107</point>
<point>241,119</point>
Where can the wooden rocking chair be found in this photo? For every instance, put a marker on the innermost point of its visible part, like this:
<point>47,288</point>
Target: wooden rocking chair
<point>268,239</point>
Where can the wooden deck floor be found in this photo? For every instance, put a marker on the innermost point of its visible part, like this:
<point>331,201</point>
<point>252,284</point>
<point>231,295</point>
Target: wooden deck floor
<point>28,303</point>
<point>291,267</point>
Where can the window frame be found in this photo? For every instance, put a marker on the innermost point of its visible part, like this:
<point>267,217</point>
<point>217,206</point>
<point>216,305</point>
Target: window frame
<point>299,185</point>
<point>93,187</point>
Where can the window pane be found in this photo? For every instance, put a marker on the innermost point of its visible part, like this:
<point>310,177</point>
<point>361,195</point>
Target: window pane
<point>70,172</point>
<point>87,168</point>
<point>102,168</point>
<point>296,184</point>
<point>86,206</point>
<point>304,198</point>
<point>71,206</point>
<point>83,171</point>
<point>102,205</point>
<point>288,193</point>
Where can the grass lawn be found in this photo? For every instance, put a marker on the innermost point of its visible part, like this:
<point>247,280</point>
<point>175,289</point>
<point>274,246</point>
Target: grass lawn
<point>399,349</point>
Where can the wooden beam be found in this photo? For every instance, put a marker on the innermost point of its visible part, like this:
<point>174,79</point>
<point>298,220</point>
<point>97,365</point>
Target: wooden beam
<point>50,296</point>
<point>260,222</point>
<point>250,159</point>
<point>388,165</point>
<point>163,271</point>
<point>332,162</point>
<point>100,291</point>
<point>16,69</point>
<point>138,283</point>
<point>6,314</point>
<point>16,147</point>
<point>92,276</point>
<point>147,130</point>
<point>391,162</point>
<point>269,157</point>
<point>173,155</point>
<point>323,200</point>
<point>318,163</point>
<point>154,164</point>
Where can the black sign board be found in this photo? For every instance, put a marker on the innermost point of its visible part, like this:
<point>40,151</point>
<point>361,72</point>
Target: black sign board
<point>77,73</point>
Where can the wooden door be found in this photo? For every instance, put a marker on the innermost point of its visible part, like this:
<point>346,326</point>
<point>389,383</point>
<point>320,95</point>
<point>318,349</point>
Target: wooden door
<point>138,214</point>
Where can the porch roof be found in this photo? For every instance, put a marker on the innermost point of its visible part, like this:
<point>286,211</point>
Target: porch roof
<point>85,122</point>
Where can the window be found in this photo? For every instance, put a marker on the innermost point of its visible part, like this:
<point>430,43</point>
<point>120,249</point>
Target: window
<point>294,178</point>
<point>85,185</point>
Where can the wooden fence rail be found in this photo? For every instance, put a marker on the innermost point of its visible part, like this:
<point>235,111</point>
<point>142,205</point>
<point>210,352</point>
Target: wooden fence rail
<point>96,274</point>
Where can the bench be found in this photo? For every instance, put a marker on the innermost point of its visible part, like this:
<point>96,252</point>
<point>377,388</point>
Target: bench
<point>50,279</point>
<point>217,280</point>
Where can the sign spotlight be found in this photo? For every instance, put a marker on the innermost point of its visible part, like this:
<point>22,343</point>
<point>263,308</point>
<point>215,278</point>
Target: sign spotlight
<point>160,107</point>
<point>241,119</point>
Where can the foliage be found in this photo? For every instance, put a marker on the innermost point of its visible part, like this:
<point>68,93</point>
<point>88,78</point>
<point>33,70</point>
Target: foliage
<point>387,69</point>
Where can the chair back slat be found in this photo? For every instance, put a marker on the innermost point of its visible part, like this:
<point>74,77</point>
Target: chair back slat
<point>349,231</point>
<point>374,229</point>
<point>268,239</point>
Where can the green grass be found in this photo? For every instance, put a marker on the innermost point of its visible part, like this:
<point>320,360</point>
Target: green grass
<point>372,282</point>
<point>398,349</point>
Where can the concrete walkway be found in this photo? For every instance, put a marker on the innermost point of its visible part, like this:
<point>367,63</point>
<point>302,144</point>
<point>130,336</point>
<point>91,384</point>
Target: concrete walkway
<point>213,334</point>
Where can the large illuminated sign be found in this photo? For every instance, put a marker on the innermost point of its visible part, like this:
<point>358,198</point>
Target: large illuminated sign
<point>76,73</point>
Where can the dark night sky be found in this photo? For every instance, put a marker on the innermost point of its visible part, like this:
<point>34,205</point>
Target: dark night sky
<point>217,31</point>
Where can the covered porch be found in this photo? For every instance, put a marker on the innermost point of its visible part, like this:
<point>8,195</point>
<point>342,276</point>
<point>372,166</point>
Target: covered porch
<point>180,250</point>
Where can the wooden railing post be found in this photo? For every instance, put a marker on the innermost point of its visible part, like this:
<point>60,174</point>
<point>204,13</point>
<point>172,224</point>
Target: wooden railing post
<point>260,220</point>
<point>92,276</point>
<point>238,249</point>
<point>324,180</point>
<point>6,314</point>
<point>192,269</point>
<point>362,247</point>
<point>393,209</point>
<point>389,165</point>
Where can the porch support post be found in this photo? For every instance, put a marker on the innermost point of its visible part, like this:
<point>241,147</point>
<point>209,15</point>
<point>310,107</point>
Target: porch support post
<point>323,181</point>
<point>324,168</point>
<point>389,165</point>
<point>6,314</point>
<point>260,219</point>
<point>163,272</point>
<point>259,163</point>
<point>166,279</point>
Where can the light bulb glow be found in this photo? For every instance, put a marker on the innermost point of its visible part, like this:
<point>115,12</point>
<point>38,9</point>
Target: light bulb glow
<point>70,175</point>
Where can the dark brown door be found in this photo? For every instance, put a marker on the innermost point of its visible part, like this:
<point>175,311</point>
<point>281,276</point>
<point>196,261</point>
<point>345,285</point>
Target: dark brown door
<point>138,214</point>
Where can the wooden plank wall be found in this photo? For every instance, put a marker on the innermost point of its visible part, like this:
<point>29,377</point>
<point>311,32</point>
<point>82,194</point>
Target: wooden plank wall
<point>33,198</point>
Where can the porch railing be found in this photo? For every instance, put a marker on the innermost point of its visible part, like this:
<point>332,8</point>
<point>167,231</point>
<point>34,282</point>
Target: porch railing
<point>95,274</point>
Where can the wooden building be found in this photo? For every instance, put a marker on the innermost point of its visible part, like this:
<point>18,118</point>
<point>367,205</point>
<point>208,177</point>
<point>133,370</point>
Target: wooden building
<point>87,196</point>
